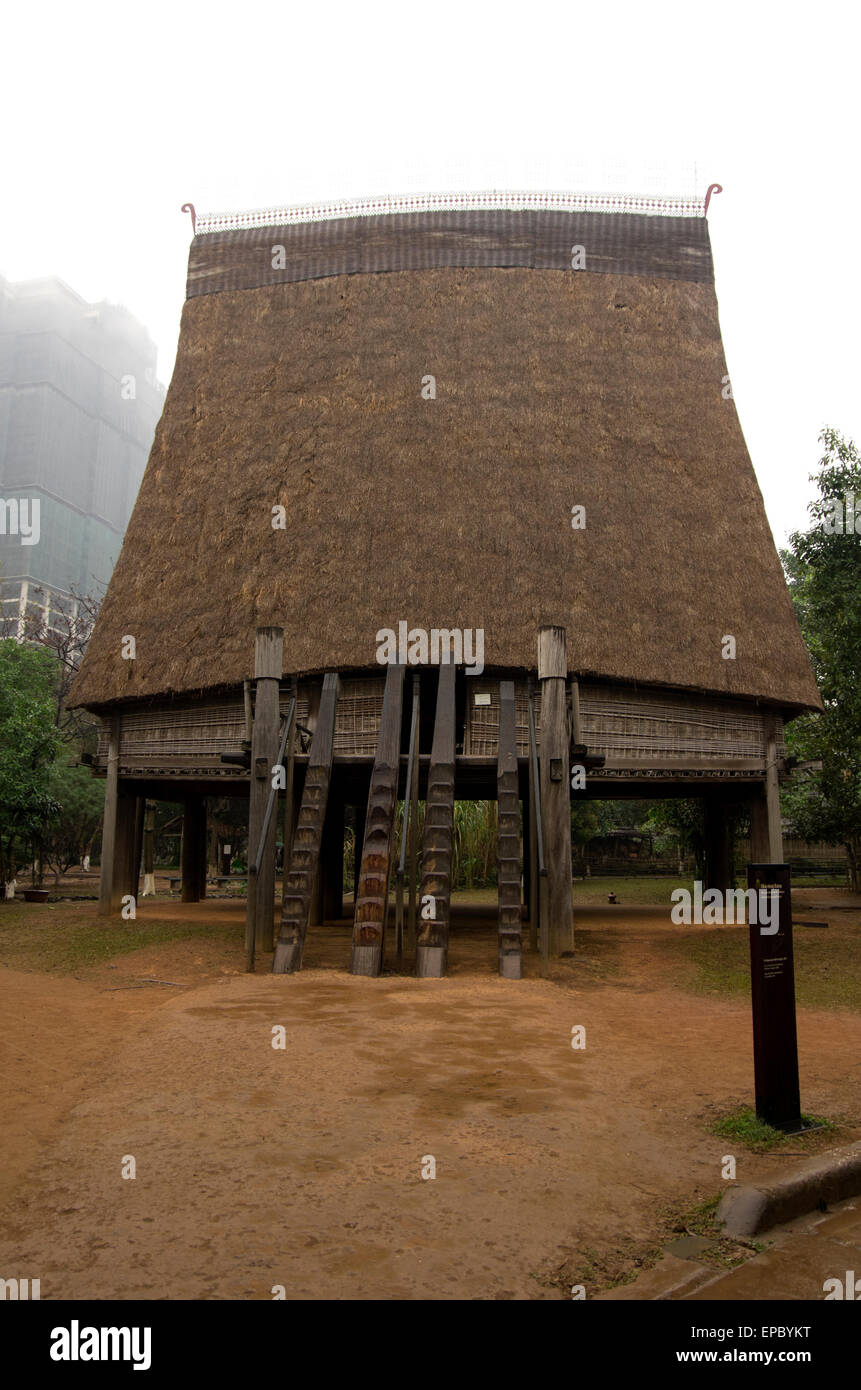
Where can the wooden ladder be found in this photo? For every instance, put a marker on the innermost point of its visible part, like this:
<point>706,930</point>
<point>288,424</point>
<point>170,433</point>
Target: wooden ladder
<point>508,839</point>
<point>369,922</point>
<point>438,836</point>
<point>307,837</point>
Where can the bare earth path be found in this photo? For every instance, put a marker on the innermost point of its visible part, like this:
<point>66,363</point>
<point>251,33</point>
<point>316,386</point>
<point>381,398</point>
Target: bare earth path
<point>302,1167</point>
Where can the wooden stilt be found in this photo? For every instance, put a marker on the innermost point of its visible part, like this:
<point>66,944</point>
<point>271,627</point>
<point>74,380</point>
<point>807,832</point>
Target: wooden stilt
<point>772,794</point>
<point>438,836</point>
<point>412,844</point>
<point>307,841</point>
<point>369,918</point>
<point>194,850</point>
<point>124,848</point>
<point>268,665</point>
<point>291,801</point>
<point>138,844</point>
<point>717,873</point>
<point>555,774</point>
<point>508,840</point>
<point>760,845</point>
<point>332,861</point>
<point>361,817</point>
<point>535,879</point>
<point>109,822</point>
<point>148,888</point>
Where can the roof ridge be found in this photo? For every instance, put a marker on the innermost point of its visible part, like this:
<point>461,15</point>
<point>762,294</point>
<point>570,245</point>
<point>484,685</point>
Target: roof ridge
<point>651,205</point>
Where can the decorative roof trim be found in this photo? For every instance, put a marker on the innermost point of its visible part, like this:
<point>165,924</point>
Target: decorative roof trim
<point>387,204</point>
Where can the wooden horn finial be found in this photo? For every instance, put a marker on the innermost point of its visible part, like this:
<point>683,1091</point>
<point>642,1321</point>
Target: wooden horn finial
<point>712,188</point>
<point>189,207</point>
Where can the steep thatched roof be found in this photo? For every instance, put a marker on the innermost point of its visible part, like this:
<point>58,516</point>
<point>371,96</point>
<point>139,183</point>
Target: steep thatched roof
<point>600,387</point>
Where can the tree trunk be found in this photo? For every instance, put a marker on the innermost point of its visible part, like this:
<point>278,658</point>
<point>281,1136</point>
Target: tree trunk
<point>853,851</point>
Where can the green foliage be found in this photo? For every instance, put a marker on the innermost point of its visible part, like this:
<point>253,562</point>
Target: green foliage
<point>745,1126</point>
<point>71,829</point>
<point>679,822</point>
<point>586,821</point>
<point>475,825</point>
<point>824,575</point>
<point>28,746</point>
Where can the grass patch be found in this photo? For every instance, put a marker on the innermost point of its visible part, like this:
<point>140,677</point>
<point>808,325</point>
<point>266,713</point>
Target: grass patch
<point>745,1127</point>
<point>64,937</point>
<point>827,963</point>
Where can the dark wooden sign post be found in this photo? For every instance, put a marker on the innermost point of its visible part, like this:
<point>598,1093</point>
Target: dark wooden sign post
<point>772,983</point>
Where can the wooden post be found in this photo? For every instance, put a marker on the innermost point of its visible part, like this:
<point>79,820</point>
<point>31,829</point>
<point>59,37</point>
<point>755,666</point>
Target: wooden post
<point>772,793</point>
<point>138,844</point>
<point>412,844</point>
<point>361,822</point>
<point>149,850</point>
<point>124,884</point>
<point>535,879</point>
<point>576,724</point>
<point>524,858</point>
<point>268,665</point>
<point>194,850</point>
<point>109,823</point>
<point>760,845</point>
<point>246,707</point>
<point>555,778</point>
<point>332,861</point>
<point>717,872</point>
<point>291,798</point>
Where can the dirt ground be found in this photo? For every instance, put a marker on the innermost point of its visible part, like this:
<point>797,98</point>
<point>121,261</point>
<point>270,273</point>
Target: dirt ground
<point>302,1167</point>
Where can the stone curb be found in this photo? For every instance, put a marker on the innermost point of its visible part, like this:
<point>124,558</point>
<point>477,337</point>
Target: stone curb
<point>744,1211</point>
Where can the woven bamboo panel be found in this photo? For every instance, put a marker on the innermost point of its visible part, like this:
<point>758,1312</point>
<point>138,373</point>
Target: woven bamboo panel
<point>624,723</point>
<point>357,715</point>
<point>183,737</point>
<point>647,725</point>
<point>481,736</point>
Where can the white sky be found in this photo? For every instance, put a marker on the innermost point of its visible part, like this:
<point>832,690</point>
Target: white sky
<point>114,116</point>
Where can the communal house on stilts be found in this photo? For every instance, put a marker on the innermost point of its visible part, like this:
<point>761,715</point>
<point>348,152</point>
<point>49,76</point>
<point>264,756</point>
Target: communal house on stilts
<point>449,500</point>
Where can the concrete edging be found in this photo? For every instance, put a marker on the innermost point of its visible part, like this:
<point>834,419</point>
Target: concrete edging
<point>744,1211</point>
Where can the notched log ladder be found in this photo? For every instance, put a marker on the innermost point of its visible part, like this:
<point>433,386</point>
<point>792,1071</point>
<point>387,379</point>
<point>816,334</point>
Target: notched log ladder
<point>438,836</point>
<point>369,923</point>
<point>305,856</point>
<point>508,840</point>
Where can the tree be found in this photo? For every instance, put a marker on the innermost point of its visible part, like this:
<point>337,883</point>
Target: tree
<point>823,569</point>
<point>680,822</point>
<point>72,622</point>
<point>69,831</point>
<point>28,746</point>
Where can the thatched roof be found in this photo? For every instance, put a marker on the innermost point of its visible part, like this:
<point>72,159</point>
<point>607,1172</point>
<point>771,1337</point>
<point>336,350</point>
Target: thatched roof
<point>600,387</point>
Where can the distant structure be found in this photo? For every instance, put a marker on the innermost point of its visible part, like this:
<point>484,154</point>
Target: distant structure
<point>79,402</point>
